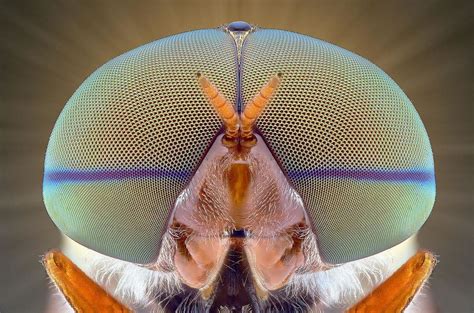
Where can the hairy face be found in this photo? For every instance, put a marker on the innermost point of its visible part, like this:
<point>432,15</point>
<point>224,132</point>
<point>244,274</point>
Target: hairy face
<point>239,205</point>
<point>148,289</point>
<point>240,225</point>
<point>238,239</point>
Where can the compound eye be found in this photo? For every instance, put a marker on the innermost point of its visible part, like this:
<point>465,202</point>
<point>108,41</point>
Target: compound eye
<point>129,139</point>
<point>348,139</point>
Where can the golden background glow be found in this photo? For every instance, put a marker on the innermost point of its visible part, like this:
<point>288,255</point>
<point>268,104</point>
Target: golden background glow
<point>47,48</point>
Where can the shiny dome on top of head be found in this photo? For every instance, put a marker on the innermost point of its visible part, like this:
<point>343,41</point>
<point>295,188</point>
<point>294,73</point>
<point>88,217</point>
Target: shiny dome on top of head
<point>239,26</point>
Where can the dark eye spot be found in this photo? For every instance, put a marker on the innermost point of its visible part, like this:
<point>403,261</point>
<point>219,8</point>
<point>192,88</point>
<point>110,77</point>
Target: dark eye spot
<point>239,26</point>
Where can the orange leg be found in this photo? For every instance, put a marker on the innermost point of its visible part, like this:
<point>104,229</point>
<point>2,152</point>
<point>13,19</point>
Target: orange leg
<point>396,293</point>
<point>83,294</point>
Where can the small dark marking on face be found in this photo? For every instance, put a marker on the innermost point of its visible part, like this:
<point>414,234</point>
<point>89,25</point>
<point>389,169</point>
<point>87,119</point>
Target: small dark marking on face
<point>239,233</point>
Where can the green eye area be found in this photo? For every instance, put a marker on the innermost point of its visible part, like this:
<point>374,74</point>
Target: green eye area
<point>349,140</point>
<point>131,137</point>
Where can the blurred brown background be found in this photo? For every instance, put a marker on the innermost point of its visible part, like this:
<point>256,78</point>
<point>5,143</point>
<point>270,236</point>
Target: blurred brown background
<point>47,48</point>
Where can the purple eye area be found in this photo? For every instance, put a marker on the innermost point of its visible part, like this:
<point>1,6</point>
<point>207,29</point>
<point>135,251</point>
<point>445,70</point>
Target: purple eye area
<point>416,176</point>
<point>69,176</point>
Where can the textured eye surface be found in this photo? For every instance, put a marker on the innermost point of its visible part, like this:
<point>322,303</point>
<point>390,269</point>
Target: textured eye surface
<point>129,139</point>
<point>348,139</point>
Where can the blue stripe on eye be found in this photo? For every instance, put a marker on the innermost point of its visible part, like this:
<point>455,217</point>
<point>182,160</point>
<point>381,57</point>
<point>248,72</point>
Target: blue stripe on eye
<point>411,175</point>
<point>62,176</point>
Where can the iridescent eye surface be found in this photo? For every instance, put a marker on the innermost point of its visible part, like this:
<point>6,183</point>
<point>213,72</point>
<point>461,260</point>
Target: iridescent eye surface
<point>348,139</point>
<point>129,140</point>
<point>345,135</point>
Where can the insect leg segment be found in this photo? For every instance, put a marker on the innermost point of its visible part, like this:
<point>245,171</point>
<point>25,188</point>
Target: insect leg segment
<point>398,291</point>
<point>82,293</point>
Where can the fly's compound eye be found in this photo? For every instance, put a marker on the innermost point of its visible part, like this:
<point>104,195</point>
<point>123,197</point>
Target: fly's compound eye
<point>129,139</point>
<point>348,139</point>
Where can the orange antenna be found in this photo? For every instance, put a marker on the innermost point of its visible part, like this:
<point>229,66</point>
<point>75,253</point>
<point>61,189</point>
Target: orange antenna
<point>253,109</point>
<point>222,106</point>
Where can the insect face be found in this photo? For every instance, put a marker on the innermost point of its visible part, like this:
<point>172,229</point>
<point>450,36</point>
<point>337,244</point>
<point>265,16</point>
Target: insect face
<point>239,200</point>
<point>286,155</point>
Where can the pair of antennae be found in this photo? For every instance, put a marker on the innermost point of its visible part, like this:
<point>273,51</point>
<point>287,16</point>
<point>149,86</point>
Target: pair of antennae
<point>232,121</point>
